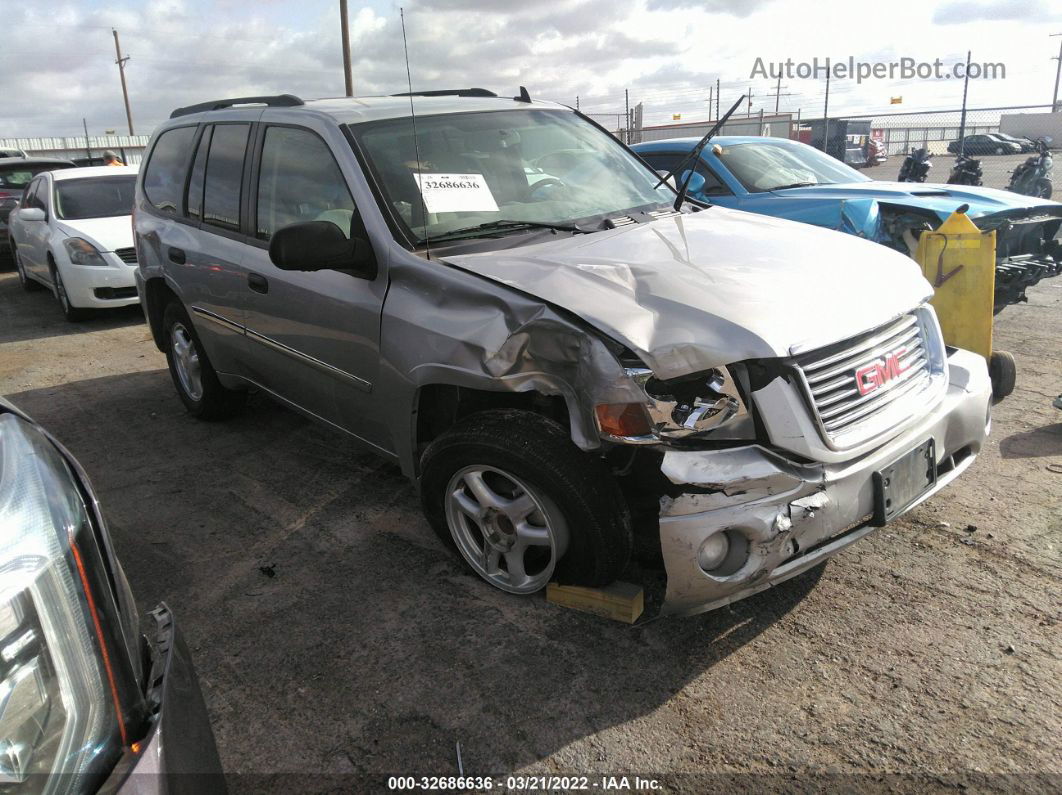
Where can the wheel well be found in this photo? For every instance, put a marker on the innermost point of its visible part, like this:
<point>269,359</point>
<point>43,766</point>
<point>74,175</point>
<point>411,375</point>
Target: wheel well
<point>157,294</point>
<point>439,406</point>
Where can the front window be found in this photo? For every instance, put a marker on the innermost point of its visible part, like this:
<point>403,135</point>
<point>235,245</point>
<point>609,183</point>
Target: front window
<point>763,166</point>
<point>94,197</point>
<point>533,166</point>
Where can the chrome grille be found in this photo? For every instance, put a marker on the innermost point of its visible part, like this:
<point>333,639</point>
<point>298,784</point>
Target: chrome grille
<point>856,379</point>
<point>126,255</point>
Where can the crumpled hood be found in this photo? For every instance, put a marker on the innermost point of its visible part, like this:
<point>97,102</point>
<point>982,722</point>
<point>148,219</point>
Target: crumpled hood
<point>106,234</point>
<point>941,199</point>
<point>697,291</point>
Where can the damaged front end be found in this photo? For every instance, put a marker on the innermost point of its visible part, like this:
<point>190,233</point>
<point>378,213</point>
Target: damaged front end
<point>1027,245</point>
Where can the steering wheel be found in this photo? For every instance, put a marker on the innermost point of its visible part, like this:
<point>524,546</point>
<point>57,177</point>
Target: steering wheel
<point>542,183</point>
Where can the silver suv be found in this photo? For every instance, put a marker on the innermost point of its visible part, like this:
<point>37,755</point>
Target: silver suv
<point>504,300</point>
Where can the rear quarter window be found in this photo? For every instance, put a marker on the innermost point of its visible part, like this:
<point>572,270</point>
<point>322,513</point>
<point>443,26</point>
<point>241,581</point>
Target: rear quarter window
<point>166,170</point>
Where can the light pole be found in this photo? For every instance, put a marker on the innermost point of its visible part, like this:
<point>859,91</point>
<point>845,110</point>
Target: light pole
<point>1058,71</point>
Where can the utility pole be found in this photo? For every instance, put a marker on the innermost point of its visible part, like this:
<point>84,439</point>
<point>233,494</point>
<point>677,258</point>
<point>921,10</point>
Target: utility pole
<point>577,102</point>
<point>826,116</point>
<point>749,111</point>
<point>88,150</point>
<point>710,101</point>
<point>121,72</point>
<point>348,76</point>
<point>778,92</point>
<point>1058,72</point>
<point>962,119</point>
<point>717,93</point>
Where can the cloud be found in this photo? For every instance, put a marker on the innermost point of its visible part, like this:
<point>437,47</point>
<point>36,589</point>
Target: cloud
<point>737,9</point>
<point>963,11</point>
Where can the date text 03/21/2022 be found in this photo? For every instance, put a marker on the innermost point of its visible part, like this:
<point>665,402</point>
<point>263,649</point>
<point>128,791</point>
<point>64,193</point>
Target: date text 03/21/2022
<point>605,783</point>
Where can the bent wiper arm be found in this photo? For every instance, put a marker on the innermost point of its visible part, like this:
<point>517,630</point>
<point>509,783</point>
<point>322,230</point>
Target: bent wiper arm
<point>696,153</point>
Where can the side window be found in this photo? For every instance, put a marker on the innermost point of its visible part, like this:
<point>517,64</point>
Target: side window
<point>29,195</point>
<point>224,175</point>
<point>164,177</point>
<point>195,182</point>
<point>300,181</point>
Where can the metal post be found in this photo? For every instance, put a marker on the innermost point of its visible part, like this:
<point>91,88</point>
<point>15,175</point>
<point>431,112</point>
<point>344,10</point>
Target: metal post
<point>348,75</point>
<point>778,91</point>
<point>962,118</point>
<point>1058,72</point>
<point>577,102</point>
<point>748,111</point>
<point>718,89</point>
<point>710,101</point>
<point>121,72</point>
<point>627,115</point>
<point>88,149</point>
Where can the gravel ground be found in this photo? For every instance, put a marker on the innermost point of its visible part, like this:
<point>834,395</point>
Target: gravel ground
<point>338,643</point>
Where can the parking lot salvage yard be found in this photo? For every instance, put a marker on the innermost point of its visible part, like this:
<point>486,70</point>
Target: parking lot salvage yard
<point>928,652</point>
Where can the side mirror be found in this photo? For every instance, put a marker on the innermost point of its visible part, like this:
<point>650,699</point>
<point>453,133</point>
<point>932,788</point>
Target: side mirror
<point>696,181</point>
<point>32,214</point>
<point>319,246</point>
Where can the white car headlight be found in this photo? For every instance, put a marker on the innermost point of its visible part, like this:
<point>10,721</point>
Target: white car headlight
<point>81,252</point>
<point>58,717</point>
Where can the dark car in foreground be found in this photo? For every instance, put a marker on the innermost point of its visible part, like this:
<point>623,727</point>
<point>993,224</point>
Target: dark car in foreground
<point>15,174</point>
<point>87,703</point>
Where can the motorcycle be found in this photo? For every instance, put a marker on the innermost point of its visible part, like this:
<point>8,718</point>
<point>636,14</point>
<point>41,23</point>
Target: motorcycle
<point>916,166</point>
<point>1033,177</point>
<point>966,171</point>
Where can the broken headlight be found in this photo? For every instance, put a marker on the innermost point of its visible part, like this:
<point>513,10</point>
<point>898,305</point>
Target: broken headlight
<point>705,404</point>
<point>58,722</point>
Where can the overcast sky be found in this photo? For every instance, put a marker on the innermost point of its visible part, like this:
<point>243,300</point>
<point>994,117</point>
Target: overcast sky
<point>57,60</point>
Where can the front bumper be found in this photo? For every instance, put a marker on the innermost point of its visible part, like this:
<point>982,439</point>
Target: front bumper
<point>178,754</point>
<point>99,286</point>
<point>794,516</point>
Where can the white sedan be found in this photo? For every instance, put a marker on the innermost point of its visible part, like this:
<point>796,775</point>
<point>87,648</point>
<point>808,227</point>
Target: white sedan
<point>72,233</point>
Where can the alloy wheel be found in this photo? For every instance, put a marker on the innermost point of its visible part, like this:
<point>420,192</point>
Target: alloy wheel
<point>186,361</point>
<point>510,534</point>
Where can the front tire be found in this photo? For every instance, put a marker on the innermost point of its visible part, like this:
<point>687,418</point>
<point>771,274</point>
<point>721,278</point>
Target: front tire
<point>523,505</point>
<point>70,312</point>
<point>193,376</point>
<point>1043,188</point>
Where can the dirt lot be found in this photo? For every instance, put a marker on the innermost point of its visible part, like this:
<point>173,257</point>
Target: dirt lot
<point>338,643</point>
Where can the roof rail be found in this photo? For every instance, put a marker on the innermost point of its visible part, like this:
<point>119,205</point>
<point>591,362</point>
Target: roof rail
<point>449,92</point>
<point>278,101</point>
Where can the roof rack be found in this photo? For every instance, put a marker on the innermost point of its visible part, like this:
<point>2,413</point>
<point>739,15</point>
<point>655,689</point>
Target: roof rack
<point>449,92</point>
<point>278,101</point>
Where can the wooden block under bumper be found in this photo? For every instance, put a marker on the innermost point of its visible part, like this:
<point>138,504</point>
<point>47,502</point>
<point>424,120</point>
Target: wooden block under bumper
<point>620,601</point>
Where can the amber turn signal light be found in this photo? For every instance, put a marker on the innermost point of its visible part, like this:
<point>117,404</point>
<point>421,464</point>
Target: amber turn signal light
<point>622,419</point>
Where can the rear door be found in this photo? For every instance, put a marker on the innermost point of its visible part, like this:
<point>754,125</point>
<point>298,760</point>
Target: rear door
<point>312,337</point>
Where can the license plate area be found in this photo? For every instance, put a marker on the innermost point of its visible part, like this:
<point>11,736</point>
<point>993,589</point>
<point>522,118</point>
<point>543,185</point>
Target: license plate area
<point>903,481</point>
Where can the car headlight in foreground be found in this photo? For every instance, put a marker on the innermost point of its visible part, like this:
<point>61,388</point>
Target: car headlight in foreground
<point>59,706</point>
<point>698,406</point>
<point>81,252</point>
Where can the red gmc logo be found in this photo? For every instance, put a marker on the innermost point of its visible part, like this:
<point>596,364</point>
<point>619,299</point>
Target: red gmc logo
<point>876,374</point>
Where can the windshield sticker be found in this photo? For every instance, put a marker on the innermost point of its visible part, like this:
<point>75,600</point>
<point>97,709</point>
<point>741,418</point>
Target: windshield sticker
<point>455,193</point>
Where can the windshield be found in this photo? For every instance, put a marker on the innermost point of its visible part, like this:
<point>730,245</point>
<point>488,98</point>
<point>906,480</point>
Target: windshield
<point>94,197</point>
<point>536,166</point>
<point>18,176</point>
<point>765,166</point>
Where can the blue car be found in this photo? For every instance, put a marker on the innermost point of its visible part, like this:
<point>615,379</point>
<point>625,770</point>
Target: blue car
<point>788,179</point>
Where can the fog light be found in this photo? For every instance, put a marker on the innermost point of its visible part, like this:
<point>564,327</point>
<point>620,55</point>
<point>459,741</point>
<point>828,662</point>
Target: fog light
<point>713,551</point>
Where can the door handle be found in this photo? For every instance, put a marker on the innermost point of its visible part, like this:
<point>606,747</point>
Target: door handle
<point>177,255</point>
<point>257,283</point>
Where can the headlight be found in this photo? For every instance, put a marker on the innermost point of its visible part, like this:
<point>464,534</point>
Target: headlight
<point>58,699</point>
<point>81,252</point>
<point>700,405</point>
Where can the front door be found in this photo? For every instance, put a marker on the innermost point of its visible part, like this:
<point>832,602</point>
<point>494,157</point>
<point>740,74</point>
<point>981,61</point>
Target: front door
<point>312,337</point>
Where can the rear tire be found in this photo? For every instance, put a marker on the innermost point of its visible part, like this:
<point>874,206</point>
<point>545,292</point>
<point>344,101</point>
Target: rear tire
<point>28,284</point>
<point>193,376</point>
<point>571,503</point>
<point>1003,372</point>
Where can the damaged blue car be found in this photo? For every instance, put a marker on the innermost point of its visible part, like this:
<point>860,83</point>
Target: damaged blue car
<point>789,179</point>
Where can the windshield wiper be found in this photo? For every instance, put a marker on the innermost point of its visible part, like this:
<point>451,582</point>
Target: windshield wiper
<point>502,225</point>
<point>797,185</point>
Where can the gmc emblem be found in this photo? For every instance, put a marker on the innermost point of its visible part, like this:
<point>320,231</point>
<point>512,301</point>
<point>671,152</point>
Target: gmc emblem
<point>873,376</point>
